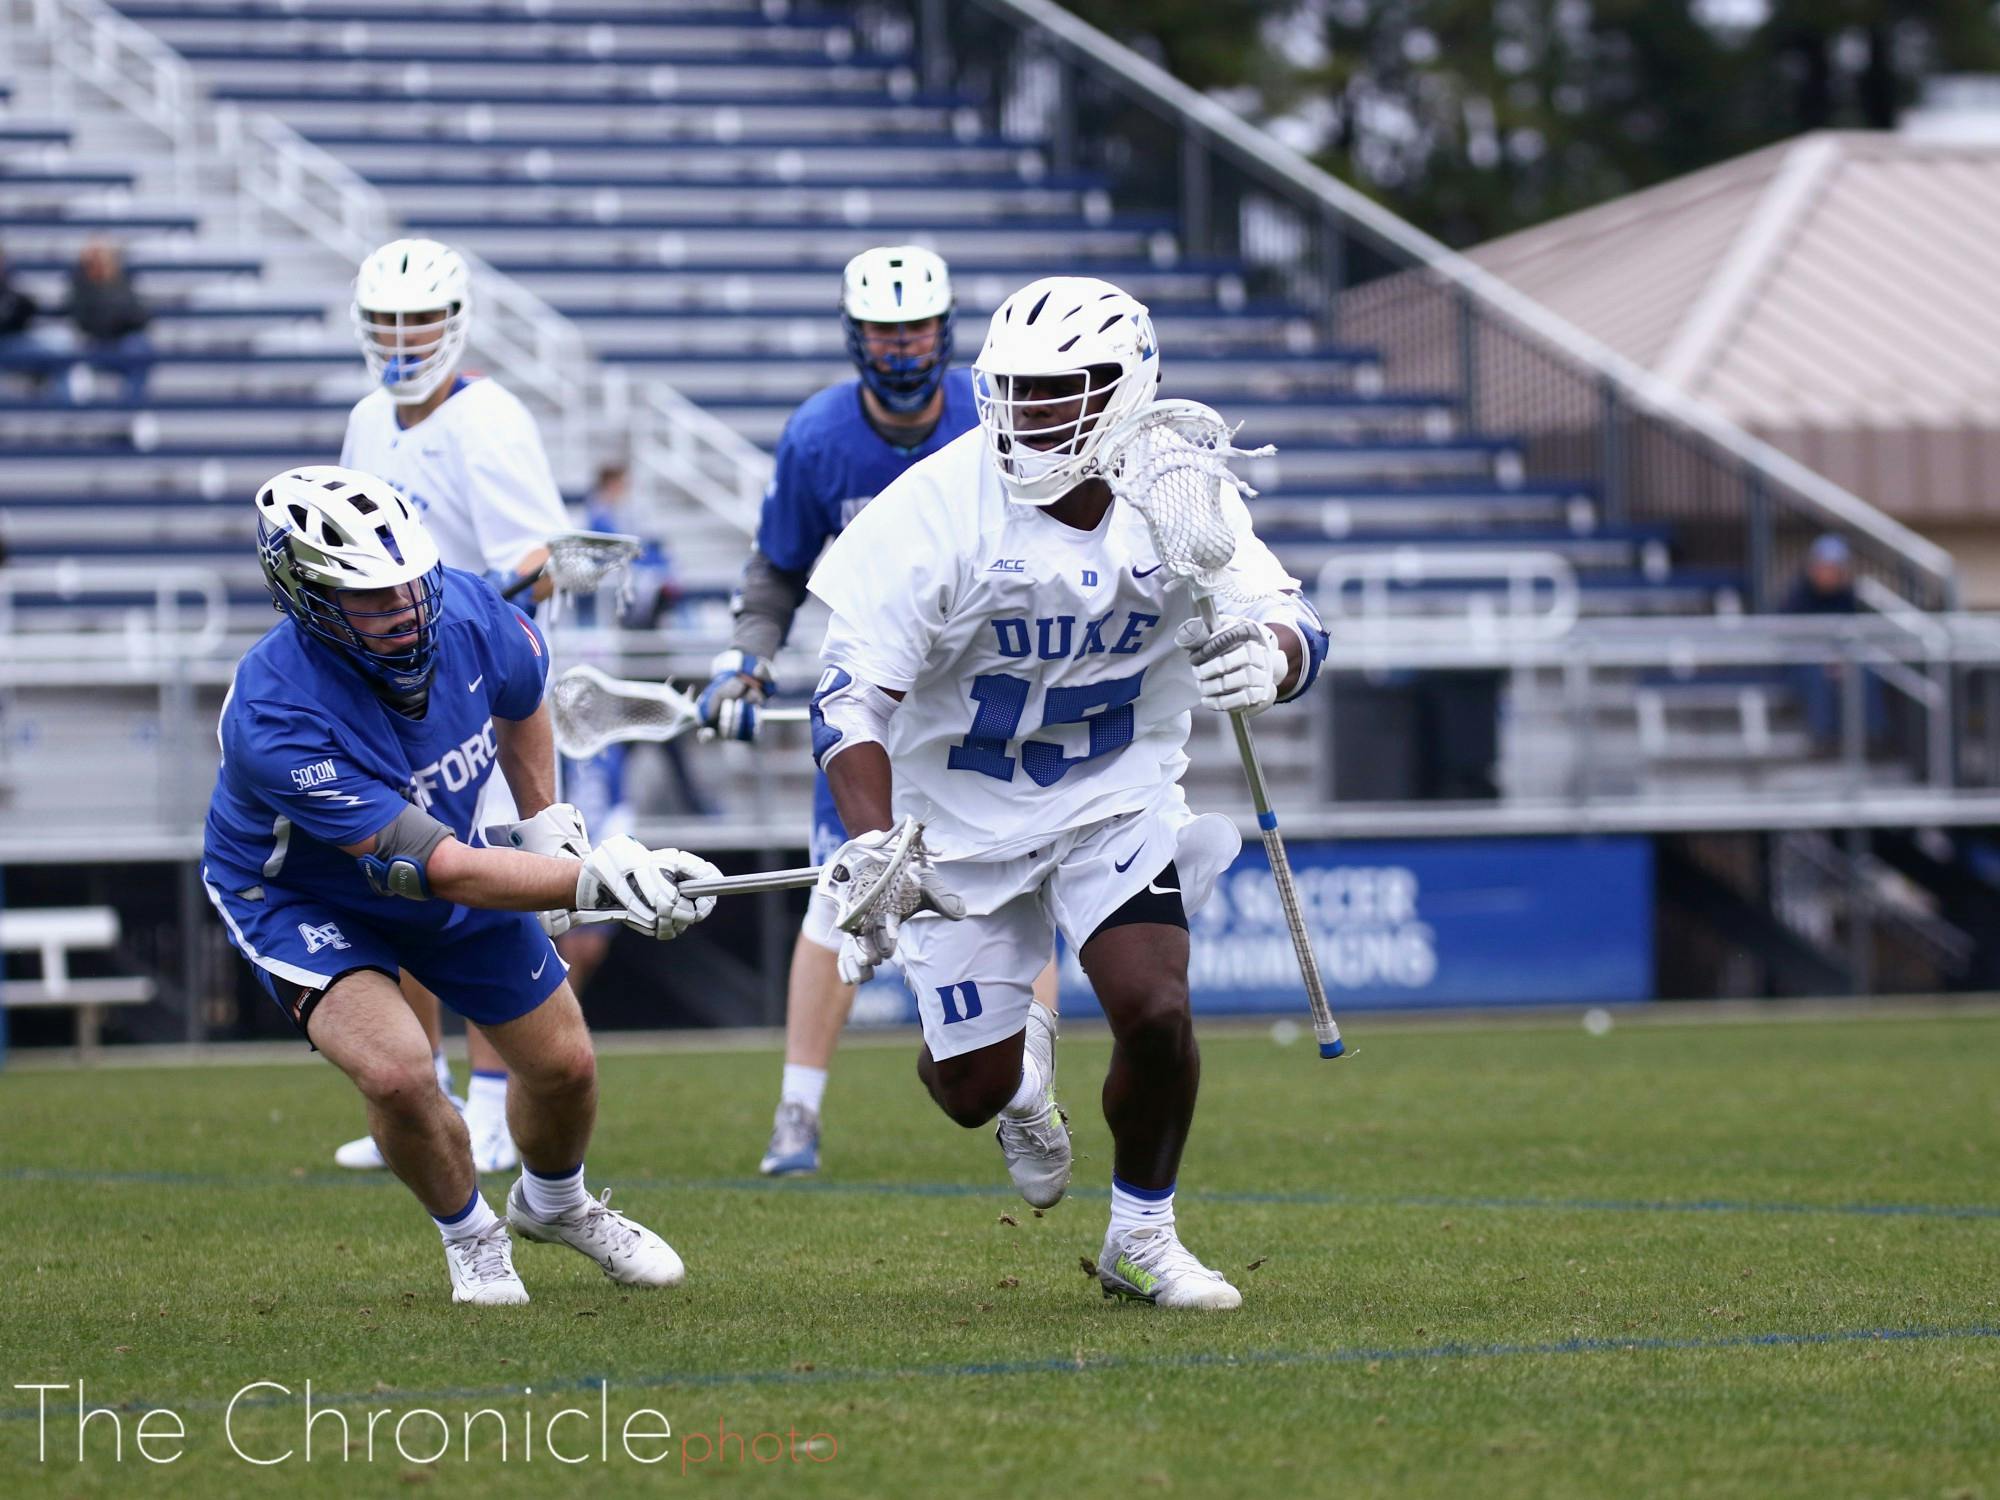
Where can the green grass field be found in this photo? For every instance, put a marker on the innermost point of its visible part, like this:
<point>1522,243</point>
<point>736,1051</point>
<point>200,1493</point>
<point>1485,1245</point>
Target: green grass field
<point>1714,1259</point>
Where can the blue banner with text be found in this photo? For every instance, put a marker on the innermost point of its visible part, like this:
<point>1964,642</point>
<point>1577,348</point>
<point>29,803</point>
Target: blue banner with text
<point>1412,923</point>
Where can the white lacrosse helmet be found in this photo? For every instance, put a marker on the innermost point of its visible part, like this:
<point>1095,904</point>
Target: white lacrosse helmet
<point>323,529</point>
<point>405,290</point>
<point>1061,326</point>
<point>898,284</point>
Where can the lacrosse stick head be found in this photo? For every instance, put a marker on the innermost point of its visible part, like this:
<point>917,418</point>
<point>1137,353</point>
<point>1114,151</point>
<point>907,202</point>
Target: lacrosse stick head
<point>591,710</point>
<point>1169,463</point>
<point>893,890</point>
<point>582,562</point>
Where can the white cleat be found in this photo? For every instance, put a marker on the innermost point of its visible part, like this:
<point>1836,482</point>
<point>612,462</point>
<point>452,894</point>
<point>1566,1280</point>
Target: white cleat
<point>493,1148</point>
<point>1037,1149</point>
<point>360,1155</point>
<point>629,1252</point>
<point>1152,1265</point>
<point>482,1270</point>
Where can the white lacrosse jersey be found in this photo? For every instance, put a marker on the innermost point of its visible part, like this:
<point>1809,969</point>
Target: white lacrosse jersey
<point>475,468</point>
<point>1043,689</point>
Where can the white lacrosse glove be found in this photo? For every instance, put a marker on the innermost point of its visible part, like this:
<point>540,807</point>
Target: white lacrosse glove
<point>622,873</point>
<point>872,923</point>
<point>1238,667</point>
<point>557,831</point>
<point>728,705</point>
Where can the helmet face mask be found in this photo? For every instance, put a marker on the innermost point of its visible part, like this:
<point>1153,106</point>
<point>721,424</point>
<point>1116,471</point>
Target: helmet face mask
<point>896,311</point>
<point>1067,362</point>
<point>1046,422</point>
<point>412,314</point>
<point>345,557</point>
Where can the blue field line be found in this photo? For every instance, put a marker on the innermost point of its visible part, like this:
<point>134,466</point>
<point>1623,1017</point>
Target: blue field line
<point>1082,1364</point>
<point>1962,1211</point>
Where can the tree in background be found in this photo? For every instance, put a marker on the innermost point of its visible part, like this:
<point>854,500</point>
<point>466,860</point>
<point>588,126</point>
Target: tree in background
<point>1476,117</point>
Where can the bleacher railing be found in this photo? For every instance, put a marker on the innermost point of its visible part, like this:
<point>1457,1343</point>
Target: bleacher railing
<point>1916,723</point>
<point>91,43</point>
<point>676,447</point>
<point>1441,322</point>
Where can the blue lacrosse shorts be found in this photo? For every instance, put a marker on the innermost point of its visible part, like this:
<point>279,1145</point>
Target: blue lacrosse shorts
<point>489,966</point>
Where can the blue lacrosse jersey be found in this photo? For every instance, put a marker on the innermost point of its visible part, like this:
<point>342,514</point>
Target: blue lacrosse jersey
<point>831,462</point>
<point>312,758</point>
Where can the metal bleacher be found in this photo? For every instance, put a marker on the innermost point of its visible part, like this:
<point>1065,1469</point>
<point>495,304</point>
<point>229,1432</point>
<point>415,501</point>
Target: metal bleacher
<point>683,182</point>
<point>679,183</point>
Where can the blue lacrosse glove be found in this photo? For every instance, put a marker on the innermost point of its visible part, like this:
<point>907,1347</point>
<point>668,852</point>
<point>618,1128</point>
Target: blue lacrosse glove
<point>728,705</point>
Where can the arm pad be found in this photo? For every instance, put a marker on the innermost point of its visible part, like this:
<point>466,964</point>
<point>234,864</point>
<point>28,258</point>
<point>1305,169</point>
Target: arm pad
<point>846,713</point>
<point>402,850</point>
<point>1294,609</point>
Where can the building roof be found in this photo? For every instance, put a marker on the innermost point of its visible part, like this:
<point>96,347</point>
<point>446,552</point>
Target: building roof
<point>1839,285</point>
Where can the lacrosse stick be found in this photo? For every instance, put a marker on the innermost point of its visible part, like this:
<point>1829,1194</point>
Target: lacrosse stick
<point>888,886</point>
<point>1169,465</point>
<point>579,563</point>
<point>592,709</point>
<point>752,884</point>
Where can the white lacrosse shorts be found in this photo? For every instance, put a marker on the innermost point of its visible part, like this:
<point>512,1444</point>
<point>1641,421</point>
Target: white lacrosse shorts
<point>974,979</point>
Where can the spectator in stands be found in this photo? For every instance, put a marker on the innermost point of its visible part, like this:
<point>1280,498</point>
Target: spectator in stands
<point>109,317</point>
<point>656,593</point>
<point>1826,587</point>
<point>22,346</point>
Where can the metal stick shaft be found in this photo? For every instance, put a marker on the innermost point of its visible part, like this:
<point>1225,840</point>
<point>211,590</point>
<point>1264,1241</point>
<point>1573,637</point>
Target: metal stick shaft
<point>1324,1028</point>
<point>726,885</point>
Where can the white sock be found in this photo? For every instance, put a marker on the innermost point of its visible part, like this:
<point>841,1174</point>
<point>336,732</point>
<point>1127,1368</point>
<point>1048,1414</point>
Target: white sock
<point>803,1085</point>
<point>486,1096</point>
<point>443,1069</point>
<point>552,1197</point>
<point>1032,1097</point>
<point>469,1223</point>
<point>1139,1208</point>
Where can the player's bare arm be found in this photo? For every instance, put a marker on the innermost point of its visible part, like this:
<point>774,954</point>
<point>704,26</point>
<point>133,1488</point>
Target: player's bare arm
<point>863,784</point>
<point>493,879</point>
<point>530,564</point>
<point>527,755</point>
<point>418,858</point>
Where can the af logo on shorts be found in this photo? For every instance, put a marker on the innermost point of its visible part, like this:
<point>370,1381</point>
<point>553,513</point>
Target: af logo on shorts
<point>327,936</point>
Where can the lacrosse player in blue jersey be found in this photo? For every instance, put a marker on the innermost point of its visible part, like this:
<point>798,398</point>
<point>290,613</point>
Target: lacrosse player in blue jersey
<point>840,449</point>
<point>355,740</point>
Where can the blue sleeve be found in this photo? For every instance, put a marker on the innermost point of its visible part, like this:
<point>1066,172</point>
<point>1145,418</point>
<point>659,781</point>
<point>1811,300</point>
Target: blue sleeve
<point>792,528</point>
<point>520,659</point>
<point>294,764</point>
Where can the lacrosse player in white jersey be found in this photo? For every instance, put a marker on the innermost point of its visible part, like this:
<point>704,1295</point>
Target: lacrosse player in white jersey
<point>467,454</point>
<point>1009,661</point>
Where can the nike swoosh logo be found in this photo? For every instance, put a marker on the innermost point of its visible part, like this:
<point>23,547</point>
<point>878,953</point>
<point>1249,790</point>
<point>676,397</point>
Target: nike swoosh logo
<point>539,967</point>
<point>473,686</point>
<point>1162,890</point>
<point>1121,869</point>
<point>1136,573</point>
